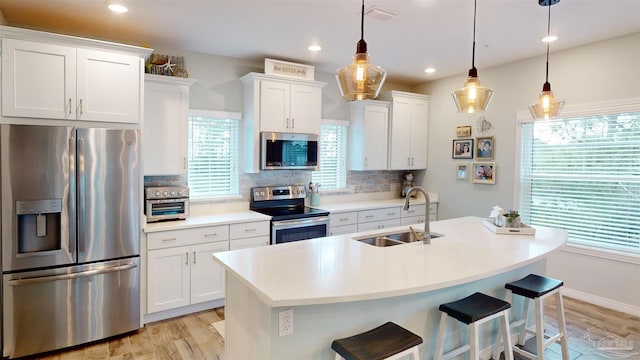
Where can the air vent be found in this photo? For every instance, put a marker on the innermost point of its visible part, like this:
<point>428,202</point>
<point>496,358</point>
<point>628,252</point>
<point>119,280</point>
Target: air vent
<point>379,14</point>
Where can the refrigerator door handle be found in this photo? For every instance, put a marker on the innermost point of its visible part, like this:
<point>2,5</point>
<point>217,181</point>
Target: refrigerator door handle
<point>72,196</point>
<point>72,275</point>
<point>81,195</point>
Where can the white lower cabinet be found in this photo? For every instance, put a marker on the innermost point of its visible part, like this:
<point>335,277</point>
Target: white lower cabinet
<point>378,218</point>
<point>180,268</point>
<point>250,234</point>
<point>343,223</point>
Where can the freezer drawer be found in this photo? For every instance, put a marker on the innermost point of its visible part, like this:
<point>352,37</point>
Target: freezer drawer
<point>51,309</point>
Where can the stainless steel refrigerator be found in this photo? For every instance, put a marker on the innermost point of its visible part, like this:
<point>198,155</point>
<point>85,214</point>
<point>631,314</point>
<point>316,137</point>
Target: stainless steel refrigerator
<point>70,236</point>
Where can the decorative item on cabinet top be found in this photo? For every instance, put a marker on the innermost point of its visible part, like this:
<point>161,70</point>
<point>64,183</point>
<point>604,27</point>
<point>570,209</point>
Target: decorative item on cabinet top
<point>288,69</point>
<point>167,65</point>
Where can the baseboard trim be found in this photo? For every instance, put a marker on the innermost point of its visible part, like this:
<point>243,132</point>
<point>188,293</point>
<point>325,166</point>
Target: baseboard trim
<point>601,301</point>
<point>167,314</point>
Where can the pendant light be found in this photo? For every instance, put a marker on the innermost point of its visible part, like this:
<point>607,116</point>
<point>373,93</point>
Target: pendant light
<point>360,80</point>
<point>472,97</point>
<point>547,106</point>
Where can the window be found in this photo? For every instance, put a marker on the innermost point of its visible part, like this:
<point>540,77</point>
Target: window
<point>333,156</point>
<point>582,174</point>
<point>213,154</point>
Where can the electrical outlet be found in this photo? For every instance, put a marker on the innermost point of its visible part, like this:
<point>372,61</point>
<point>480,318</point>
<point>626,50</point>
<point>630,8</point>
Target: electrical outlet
<point>285,322</point>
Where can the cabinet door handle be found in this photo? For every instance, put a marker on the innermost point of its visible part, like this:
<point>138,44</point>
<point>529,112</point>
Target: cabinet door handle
<point>184,163</point>
<point>169,239</point>
<point>287,123</point>
<point>194,257</point>
<point>293,123</point>
<point>69,106</point>
<point>409,161</point>
<point>81,107</point>
<point>366,160</point>
<point>187,261</point>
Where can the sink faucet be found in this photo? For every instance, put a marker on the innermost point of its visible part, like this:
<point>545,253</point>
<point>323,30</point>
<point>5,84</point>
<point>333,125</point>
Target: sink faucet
<point>426,236</point>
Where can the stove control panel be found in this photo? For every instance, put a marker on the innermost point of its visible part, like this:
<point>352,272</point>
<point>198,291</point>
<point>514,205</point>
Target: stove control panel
<point>278,192</point>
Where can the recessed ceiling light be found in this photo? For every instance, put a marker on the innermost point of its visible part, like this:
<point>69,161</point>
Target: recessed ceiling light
<point>550,38</point>
<point>430,70</point>
<point>117,6</point>
<point>315,47</point>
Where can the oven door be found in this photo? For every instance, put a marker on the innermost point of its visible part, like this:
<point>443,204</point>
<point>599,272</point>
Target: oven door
<point>299,229</point>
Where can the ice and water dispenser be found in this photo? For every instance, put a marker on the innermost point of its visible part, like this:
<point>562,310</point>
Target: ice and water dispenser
<point>39,224</point>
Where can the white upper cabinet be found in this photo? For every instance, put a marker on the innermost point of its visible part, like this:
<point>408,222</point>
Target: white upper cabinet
<point>48,76</point>
<point>408,130</point>
<point>274,104</point>
<point>368,135</point>
<point>165,128</point>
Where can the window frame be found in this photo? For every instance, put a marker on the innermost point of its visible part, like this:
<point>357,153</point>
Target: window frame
<point>572,111</point>
<point>346,124</point>
<point>217,114</point>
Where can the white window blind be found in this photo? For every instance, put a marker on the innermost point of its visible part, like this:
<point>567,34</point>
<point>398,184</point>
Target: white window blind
<point>213,154</point>
<point>582,174</point>
<point>333,156</point>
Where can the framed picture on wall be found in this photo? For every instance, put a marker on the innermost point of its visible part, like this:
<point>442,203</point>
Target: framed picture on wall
<point>461,172</point>
<point>484,172</point>
<point>463,131</point>
<point>462,149</point>
<point>485,148</point>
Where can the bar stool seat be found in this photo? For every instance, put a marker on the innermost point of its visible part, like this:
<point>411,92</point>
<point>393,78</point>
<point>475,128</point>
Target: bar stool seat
<point>387,341</point>
<point>538,288</point>
<point>474,310</point>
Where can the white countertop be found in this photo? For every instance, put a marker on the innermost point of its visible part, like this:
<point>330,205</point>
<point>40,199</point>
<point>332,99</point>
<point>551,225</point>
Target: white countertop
<point>204,215</point>
<point>342,203</point>
<point>206,220</point>
<point>339,269</point>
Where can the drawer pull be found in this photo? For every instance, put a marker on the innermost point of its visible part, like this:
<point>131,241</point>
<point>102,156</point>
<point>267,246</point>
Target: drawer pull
<point>369,216</point>
<point>391,214</point>
<point>344,219</point>
<point>249,230</point>
<point>169,239</point>
<point>211,235</point>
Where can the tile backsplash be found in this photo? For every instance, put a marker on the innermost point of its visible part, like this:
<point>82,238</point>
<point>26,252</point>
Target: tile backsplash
<point>357,181</point>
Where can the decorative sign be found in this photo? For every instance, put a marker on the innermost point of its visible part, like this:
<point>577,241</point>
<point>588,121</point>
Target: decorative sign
<point>288,69</point>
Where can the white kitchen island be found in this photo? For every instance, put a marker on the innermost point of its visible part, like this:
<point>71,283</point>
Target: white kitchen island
<point>339,287</point>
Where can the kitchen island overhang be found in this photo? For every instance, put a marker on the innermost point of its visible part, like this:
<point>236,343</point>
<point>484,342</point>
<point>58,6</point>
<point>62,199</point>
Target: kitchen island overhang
<point>338,286</point>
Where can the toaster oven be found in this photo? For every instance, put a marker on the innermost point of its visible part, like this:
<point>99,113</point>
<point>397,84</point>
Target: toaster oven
<point>166,203</point>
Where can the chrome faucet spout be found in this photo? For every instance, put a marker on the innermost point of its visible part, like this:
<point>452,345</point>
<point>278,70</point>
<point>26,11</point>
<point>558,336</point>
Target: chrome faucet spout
<point>426,238</point>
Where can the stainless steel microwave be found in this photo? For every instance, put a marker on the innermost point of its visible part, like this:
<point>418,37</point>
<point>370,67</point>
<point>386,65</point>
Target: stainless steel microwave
<point>288,151</point>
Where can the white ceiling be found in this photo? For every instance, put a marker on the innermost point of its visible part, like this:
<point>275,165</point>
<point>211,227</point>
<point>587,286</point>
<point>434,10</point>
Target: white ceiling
<point>423,33</point>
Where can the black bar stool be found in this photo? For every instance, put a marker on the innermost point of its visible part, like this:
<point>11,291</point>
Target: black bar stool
<point>474,310</point>
<point>388,341</point>
<point>538,288</point>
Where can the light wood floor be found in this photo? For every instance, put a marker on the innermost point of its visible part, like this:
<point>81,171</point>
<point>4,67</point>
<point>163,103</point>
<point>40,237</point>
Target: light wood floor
<point>193,337</point>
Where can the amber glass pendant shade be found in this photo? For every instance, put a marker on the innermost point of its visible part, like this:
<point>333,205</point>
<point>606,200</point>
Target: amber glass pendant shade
<point>360,80</point>
<point>472,97</point>
<point>547,106</point>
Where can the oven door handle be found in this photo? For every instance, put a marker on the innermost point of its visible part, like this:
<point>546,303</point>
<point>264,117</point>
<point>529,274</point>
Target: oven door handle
<point>290,224</point>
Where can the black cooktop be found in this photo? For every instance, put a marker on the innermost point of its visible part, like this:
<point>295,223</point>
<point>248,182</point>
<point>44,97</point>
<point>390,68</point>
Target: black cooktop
<point>291,212</point>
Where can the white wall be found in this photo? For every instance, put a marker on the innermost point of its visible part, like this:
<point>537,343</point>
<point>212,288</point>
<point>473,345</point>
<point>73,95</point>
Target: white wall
<point>601,71</point>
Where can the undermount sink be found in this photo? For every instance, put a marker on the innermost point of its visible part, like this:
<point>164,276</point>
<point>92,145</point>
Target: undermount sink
<point>391,239</point>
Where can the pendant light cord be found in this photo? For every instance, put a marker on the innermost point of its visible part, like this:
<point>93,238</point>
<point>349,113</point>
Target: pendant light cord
<point>362,22</point>
<point>548,32</point>
<point>473,51</point>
